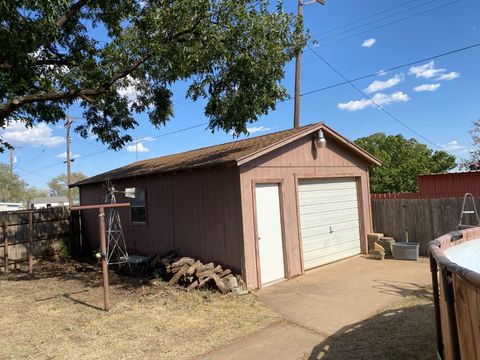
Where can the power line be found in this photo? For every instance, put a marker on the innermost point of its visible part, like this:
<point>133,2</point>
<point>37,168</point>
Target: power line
<point>378,20</point>
<point>365,18</point>
<point>36,171</point>
<point>388,24</point>
<point>374,102</point>
<point>42,150</point>
<point>149,138</point>
<point>390,69</point>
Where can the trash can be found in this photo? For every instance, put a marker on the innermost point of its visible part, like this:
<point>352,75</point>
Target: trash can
<point>405,251</point>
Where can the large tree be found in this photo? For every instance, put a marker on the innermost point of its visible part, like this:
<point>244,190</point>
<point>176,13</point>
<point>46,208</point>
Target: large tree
<point>14,189</point>
<point>403,159</point>
<point>474,160</point>
<point>57,52</point>
<point>58,186</point>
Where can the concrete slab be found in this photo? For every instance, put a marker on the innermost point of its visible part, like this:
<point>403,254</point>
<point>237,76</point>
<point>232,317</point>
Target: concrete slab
<point>281,340</point>
<point>323,301</point>
<point>333,296</point>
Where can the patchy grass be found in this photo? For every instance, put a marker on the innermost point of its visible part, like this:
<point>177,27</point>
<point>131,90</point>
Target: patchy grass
<point>56,315</point>
<point>405,330</point>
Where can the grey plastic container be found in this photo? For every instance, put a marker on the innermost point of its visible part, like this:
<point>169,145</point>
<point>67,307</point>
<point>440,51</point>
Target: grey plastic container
<point>405,251</point>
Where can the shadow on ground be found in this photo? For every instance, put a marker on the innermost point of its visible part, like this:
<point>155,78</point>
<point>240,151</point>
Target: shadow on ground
<point>85,271</point>
<point>405,331</point>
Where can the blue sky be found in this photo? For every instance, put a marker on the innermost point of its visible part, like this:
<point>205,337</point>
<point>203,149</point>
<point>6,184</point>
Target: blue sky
<point>439,100</point>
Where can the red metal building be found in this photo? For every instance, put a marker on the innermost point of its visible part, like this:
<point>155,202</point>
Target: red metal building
<point>434,186</point>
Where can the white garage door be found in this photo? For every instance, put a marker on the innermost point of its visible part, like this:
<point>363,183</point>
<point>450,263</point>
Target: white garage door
<point>329,220</point>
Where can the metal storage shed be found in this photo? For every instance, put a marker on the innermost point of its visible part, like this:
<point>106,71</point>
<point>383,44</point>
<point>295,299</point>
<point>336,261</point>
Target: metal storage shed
<point>269,207</point>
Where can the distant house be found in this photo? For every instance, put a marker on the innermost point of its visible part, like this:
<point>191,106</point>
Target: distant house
<point>269,207</point>
<point>4,206</point>
<point>48,202</point>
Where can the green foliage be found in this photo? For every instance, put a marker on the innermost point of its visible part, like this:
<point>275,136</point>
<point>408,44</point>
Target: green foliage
<point>63,250</point>
<point>475,151</point>
<point>403,159</point>
<point>33,192</point>
<point>58,52</point>
<point>14,189</point>
<point>58,186</point>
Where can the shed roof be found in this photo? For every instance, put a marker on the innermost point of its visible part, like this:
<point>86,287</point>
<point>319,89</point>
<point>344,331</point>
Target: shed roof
<point>232,153</point>
<point>49,200</point>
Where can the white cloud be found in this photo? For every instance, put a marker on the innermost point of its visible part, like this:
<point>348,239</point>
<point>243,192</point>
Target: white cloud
<point>426,71</point>
<point>63,155</point>
<point>129,92</point>
<point>378,85</point>
<point>450,76</point>
<point>426,87</point>
<point>137,147</point>
<point>369,42</point>
<point>381,73</point>
<point>454,146</point>
<point>379,98</point>
<point>39,135</point>
<point>253,130</point>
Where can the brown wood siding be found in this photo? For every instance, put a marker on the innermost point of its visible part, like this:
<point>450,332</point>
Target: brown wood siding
<point>198,213</point>
<point>299,159</point>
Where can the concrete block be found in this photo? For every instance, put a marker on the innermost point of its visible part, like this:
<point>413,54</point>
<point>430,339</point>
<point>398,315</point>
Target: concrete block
<point>387,242</point>
<point>377,255</point>
<point>372,239</point>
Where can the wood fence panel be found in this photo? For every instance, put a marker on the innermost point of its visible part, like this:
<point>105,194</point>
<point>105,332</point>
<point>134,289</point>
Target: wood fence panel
<point>425,219</point>
<point>51,227</point>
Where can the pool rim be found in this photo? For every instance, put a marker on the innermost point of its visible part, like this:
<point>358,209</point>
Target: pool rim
<point>436,249</point>
<point>440,263</point>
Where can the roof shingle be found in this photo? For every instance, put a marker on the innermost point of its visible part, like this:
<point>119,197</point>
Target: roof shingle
<point>204,157</point>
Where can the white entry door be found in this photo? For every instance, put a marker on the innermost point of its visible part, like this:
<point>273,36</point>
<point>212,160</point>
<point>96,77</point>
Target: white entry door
<point>329,220</point>
<point>269,232</point>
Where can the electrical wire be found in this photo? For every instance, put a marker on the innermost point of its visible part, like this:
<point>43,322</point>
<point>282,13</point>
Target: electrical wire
<point>347,81</point>
<point>391,69</point>
<point>365,18</point>
<point>388,113</point>
<point>36,171</point>
<point>378,20</point>
<point>387,24</point>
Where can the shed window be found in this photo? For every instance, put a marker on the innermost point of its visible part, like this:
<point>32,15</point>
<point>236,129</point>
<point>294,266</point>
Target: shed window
<point>138,207</point>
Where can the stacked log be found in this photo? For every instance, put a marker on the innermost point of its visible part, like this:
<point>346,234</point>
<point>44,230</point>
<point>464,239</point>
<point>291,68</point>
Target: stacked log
<point>193,274</point>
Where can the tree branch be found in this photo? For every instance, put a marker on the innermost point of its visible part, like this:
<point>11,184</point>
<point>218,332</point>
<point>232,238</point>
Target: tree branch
<point>13,105</point>
<point>71,11</point>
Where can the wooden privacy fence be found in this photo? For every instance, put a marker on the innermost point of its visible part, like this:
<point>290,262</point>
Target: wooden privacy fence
<point>31,234</point>
<point>424,219</point>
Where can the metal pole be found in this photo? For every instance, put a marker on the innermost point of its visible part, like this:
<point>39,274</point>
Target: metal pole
<point>436,303</point>
<point>103,246</point>
<point>11,161</point>
<point>5,247</point>
<point>298,61</point>
<point>68,124</point>
<point>30,242</point>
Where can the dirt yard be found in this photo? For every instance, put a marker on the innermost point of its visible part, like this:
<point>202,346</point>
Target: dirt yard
<point>56,315</point>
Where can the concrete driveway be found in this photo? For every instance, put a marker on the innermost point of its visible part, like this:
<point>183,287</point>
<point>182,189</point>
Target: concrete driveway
<point>325,300</point>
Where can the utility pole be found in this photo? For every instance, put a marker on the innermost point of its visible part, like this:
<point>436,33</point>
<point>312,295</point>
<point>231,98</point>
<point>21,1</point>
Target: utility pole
<point>68,124</point>
<point>296,110</point>
<point>12,159</point>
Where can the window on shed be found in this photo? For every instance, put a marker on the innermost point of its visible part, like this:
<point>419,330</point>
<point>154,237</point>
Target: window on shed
<point>138,207</point>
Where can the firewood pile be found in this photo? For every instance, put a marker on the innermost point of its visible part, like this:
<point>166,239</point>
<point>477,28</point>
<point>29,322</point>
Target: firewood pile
<point>193,274</point>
